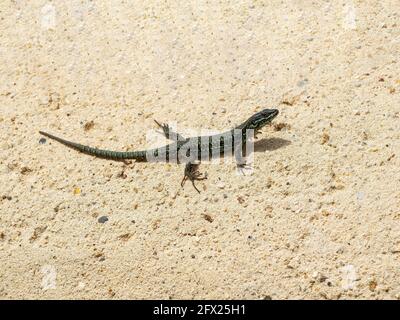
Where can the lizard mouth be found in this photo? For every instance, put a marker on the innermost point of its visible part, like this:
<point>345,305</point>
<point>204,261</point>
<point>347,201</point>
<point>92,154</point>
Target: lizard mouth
<point>272,114</point>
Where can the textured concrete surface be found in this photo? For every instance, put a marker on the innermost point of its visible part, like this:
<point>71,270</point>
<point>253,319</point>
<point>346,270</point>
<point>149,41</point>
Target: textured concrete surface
<point>320,216</point>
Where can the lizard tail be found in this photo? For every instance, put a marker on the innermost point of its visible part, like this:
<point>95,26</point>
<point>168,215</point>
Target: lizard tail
<point>101,153</point>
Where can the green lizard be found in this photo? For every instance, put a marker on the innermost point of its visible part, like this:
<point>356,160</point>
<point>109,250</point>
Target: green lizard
<point>188,150</point>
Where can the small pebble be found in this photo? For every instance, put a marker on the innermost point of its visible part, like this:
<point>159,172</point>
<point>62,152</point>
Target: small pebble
<point>88,125</point>
<point>103,219</point>
<point>220,184</point>
<point>25,170</point>
<point>372,285</point>
<point>42,140</point>
<point>208,217</point>
<point>325,138</point>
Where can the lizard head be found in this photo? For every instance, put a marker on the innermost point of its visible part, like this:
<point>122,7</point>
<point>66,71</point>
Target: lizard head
<point>260,119</point>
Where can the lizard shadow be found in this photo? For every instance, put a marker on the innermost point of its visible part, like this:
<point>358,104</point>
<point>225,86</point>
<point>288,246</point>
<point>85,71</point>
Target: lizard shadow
<point>270,144</point>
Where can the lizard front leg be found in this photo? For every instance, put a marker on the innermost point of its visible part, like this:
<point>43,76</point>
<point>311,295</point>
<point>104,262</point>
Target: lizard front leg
<point>242,165</point>
<point>192,173</point>
<point>169,133</point>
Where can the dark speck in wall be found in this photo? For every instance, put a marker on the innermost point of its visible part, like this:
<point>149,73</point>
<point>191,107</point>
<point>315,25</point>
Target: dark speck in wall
<point>103,219</point>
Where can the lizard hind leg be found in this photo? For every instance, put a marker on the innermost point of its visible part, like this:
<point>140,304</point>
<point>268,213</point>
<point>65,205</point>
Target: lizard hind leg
<point>192,173</point>
<point>169,133</point>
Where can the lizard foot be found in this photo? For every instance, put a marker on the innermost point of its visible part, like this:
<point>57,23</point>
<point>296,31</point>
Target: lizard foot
<point>192,173</point>
<point>244,169</point>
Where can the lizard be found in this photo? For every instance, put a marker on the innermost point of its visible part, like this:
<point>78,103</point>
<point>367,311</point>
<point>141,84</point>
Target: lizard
<point>187,150</point>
